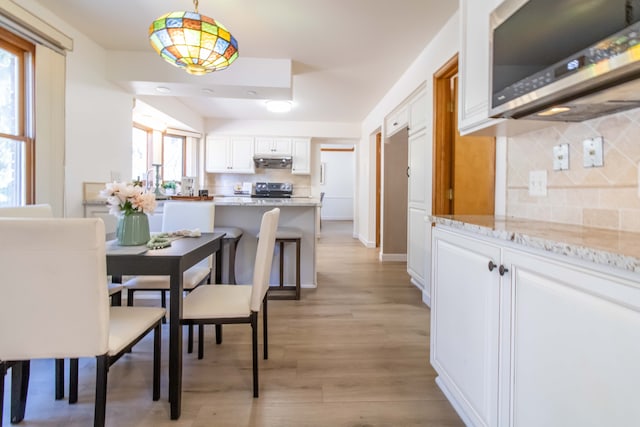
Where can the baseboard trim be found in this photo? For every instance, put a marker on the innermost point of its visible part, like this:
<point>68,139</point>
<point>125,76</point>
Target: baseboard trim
<point>393,257</point>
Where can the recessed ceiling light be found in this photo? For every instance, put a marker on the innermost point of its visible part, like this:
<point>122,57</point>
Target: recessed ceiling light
<point>163,89</point>
<point>251,92</point>
<point>278,106</point>
<point>208,91</point>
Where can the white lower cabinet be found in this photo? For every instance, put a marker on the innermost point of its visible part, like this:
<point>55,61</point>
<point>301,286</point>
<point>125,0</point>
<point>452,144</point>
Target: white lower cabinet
<point>416,241</point>
<point>465,324</point>
<point>572,345</point>
<point>547,342</point>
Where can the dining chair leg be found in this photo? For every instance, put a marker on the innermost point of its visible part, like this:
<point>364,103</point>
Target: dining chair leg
<point>157,339</point>
<point>163,303</point>
<point>254,351</point>
<point>73,380</point>
<point>59,373</point>
<point>3,373</point>
<point>200,341</point>
<point>265,335</point>
<point>19,388</point>
<point>190,338</point>
<point>218,334</point>
<point>100,409</point>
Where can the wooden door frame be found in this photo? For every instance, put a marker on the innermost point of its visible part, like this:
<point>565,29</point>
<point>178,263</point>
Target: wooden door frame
<point>378,184</point>
<point>443,136</point>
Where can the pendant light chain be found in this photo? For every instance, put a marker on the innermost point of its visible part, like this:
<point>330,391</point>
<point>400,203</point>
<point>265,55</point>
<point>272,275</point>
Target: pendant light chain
<point>195,3</point>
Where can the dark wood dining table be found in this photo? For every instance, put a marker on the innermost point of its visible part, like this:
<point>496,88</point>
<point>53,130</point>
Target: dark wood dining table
<point>172,261</point>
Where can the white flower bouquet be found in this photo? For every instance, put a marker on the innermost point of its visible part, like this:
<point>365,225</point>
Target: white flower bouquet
<point>127,199</point>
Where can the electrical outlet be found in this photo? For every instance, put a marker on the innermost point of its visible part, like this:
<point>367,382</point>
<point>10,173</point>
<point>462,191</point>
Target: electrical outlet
<point>561,157</point>
<point>538,183</point>
<point>592,151</point>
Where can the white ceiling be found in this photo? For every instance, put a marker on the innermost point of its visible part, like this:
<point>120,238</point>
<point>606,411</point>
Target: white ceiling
<point>346,54</point>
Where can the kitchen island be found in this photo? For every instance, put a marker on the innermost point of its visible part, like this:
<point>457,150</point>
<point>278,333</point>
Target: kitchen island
<point>535,323</point>
<point>296,212</point>
<point>246,213</point>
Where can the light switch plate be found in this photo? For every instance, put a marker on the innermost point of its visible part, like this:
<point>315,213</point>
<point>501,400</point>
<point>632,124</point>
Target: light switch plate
<point>592,151</point>
<point>561,157</point>
<point>538,183</point>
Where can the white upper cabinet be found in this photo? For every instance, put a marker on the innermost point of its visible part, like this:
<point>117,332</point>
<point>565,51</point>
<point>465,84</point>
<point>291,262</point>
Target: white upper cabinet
<point>226,154</point>
<point>418,112</point>
<point>301,156</point>
<point>473,66</point>
<point>396,121</point>
<point>273,146</point>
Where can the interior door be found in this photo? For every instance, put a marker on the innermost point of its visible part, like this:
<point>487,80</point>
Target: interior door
<point>473,174</point>
<point>463,166</point>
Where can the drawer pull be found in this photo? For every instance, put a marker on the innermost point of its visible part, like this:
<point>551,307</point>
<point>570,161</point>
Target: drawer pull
<point>492,265</point>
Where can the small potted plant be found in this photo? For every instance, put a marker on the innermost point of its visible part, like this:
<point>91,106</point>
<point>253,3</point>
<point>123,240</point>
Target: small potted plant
<point>169,188</point>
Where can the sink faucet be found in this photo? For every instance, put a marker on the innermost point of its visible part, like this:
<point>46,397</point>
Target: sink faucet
<point>148,181</point>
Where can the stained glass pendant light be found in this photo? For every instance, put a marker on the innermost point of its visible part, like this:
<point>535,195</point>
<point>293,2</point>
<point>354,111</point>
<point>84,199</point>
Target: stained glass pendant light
<point>196,43</point>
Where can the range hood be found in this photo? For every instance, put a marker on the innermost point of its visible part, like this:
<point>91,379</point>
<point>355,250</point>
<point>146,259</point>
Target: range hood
<point>272,162</point>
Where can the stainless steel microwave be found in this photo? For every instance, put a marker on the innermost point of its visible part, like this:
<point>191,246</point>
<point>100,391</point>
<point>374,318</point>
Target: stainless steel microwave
<point>567,60</point>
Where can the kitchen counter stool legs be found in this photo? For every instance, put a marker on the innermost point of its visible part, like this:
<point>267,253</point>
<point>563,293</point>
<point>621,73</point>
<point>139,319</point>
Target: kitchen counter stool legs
<point>232,237</point>
<point>284,236</point>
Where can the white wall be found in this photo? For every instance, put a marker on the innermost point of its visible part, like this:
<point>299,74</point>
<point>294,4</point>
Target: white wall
<point>98,116</point>
<point>283,128</point>
<point>435,54</point>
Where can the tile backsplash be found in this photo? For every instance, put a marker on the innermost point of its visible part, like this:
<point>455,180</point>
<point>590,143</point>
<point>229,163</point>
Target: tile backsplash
<point>602,197</point>
<point>222,183</point>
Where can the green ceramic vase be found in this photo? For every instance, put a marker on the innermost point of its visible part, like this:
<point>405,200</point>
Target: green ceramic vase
<point>133,229</point>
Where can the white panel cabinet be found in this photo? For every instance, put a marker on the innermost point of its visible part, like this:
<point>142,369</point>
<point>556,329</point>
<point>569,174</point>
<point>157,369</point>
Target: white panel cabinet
<point>229,154</point>
<point>537,341</point>
<point>572,343</point>
<point>301,156</point>
<point>418,112</point>
<point>273,146</point>
<point>465,298</point>
<point>417,209</point>
<point>473,98</point>
<point>416,255</point>
<point>396,121</point>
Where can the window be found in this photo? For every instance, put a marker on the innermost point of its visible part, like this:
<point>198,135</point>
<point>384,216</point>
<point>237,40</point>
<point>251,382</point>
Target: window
<point>16,145</point>
<point>141,149</point>
<point>151,147</point>
<point>173,157</point>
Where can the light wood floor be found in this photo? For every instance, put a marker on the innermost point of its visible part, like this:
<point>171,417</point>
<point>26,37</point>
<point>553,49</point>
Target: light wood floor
<point>353,352</point>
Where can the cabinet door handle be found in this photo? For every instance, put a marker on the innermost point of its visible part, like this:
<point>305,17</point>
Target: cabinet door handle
<point>408,171</point>
<point>503,270</point>
<point>492,265</point>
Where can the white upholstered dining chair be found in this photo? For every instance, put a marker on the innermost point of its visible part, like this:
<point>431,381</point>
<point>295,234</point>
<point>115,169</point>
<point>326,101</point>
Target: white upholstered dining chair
<point>227,304</point>
<point>179,216</point>
<point>61,309</point>
<point>44,210</point>
<point>115,289</point>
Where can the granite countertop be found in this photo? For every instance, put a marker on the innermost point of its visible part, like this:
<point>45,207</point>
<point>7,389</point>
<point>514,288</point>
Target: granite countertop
<point>618,249</point>
<point>242,201</point>
<point>249,201</point>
